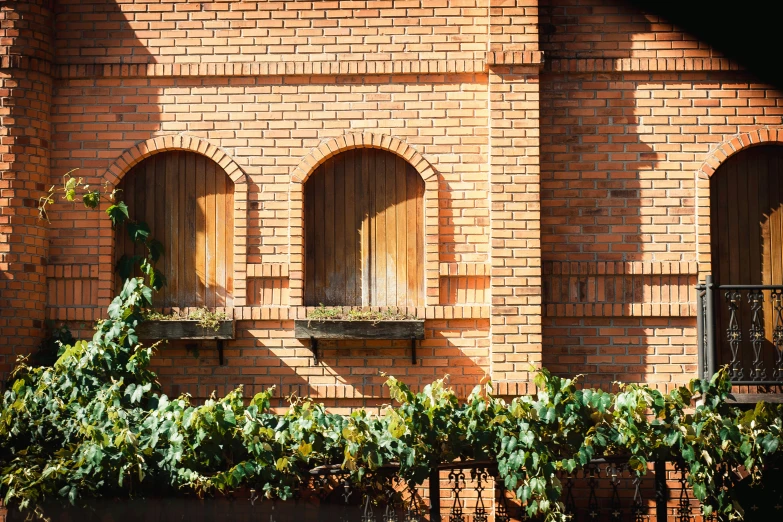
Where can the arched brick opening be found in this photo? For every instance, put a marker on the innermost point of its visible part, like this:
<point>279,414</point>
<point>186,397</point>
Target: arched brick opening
<point>318,156</point>
<point>133,156</point>
<point>728,148</point>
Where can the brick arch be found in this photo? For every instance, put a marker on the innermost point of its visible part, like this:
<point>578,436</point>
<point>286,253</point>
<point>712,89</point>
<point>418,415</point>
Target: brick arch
<point>718,156</point>
<point>147,148</point>
<point>735,144</point>
<point>141,151</point>
<point>335,146</point>
<point>357,141</point>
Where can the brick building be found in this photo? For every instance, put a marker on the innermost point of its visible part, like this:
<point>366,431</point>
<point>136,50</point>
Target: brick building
<point>557,158</point>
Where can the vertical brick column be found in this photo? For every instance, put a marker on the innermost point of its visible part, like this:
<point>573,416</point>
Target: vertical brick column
<point>25,98</point>
<point>514,62</point>
<point>515,222</point>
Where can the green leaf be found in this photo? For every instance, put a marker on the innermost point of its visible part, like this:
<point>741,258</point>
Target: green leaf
<point>138,232</point>
<point>155,248</point>
<point>91,199</point>
<point>118,214</point>
<point>770,443</point>
<point>157,279</point>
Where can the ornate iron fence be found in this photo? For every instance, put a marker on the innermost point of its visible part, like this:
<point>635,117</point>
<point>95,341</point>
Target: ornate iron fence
<point>606,490</point>
<point>750,340</point>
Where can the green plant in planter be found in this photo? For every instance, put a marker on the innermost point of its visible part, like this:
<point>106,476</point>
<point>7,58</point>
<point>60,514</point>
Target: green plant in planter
<point>206,319</point>
<point>334,313</point>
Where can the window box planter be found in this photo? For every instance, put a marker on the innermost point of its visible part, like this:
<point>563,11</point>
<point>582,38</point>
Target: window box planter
<point>315,329</point>
<point>186,329</point>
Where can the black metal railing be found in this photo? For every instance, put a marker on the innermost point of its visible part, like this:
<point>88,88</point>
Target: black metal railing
<point>741,326</point>
<point>606,490</point>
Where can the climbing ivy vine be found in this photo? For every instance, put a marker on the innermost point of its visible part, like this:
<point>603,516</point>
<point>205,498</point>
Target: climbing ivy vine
<point>96,424</point>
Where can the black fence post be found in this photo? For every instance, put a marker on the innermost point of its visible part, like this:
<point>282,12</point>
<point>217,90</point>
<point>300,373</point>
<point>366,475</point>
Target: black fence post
<point>661,494</point>
<point>435,495</point>
<point>709,326</point>
<point>701,340</point>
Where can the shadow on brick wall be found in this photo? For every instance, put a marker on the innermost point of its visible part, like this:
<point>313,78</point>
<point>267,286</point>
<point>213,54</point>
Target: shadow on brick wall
<point>606,219</point>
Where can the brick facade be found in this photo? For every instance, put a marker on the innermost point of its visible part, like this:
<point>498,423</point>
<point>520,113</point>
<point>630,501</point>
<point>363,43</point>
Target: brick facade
<point>560,143</point>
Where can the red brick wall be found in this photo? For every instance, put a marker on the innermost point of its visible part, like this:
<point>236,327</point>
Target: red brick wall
<point>631,108</point>
<point>25,98</point>
<point>151,31</point>
<point>561,204</point>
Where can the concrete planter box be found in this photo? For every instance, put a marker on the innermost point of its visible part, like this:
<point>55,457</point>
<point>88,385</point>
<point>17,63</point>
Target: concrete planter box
<point>187,330</point>
<point>343,329</point>
<point>184,329</point>
<point>336,329</point>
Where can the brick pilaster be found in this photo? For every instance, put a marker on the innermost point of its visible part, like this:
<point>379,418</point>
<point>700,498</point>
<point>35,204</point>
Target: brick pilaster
<point>25,133</point>
<point>514,62</point>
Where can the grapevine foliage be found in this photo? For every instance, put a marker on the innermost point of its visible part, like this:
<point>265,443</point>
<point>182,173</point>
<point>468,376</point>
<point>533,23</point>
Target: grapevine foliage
<point>96,424</point>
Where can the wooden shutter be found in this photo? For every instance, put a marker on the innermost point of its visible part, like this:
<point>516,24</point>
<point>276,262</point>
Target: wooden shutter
<point>364,231</point>
<point>188,202</point>
<point>746,198</point>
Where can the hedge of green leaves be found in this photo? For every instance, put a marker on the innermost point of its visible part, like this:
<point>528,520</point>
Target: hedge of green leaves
<point>95,424</point>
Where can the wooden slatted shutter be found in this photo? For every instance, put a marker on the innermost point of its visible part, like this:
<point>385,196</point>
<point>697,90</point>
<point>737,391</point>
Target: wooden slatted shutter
<point>746,221</point>
<point>364,231</point>
<point>188,202</point>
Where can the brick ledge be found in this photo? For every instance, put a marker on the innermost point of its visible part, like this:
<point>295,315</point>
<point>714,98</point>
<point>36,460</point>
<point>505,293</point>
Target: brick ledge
<point>289,68</point>
<point>281,313</point>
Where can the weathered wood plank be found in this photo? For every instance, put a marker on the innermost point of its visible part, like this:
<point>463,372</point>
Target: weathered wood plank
<point>368,173</point>
<point>349,240</point>
<point>229,227</point>
<point>160,225</point>
<point>182,294</point>
<point>171,247</point>
<point>201,229</point>
<point>390,213</point>
<point>210,267</point>
<point>406,329</point>
<point>222,235</point>
<point>338,275</point>
<point>380,279</point>
<point>400,221</point>
<point>421,255</point>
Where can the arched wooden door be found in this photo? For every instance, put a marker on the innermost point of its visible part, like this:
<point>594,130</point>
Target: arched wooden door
<point>746,222</point>
<point>188,202</point>
<point>364,231</point>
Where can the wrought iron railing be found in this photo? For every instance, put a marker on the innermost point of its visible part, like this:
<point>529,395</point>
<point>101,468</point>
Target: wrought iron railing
<point>741,326</point>
<point>607,489</point>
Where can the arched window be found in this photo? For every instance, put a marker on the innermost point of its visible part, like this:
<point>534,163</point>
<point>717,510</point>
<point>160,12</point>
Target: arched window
<point>364,231</point>
<point>188,202</point>
<point>746,228</point>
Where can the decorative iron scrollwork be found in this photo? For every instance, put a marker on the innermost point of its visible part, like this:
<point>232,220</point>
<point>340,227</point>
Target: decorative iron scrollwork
<point>638,508</point>
<point>615,507</point>
<point>368,514</point>
<point>684,509</point>
<point>756,301</point>
<point>593,510</point>
<point>777,334</point>
<point>734,334</point>
<point>457,508</point>
<point>569,502</point>
<point>481,477</point>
